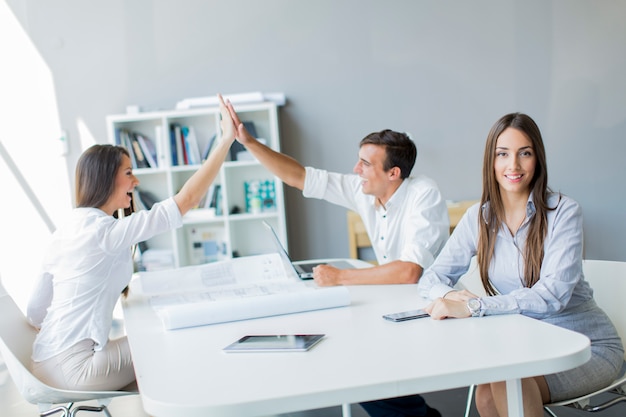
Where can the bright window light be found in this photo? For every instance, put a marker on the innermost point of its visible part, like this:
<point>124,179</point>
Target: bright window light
<point>31,139</point>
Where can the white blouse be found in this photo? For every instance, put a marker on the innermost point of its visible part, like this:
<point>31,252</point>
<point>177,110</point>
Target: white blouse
<point>88,264</point>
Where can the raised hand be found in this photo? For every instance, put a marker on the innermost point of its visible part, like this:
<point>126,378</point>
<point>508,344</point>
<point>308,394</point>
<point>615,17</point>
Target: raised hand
<point>243,136</point>
<point>226,123</point>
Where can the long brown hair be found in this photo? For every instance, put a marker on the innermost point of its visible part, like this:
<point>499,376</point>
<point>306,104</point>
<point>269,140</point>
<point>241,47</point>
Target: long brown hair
<point>95,179</point>
<point>491,221</point>
<point>95,176</point>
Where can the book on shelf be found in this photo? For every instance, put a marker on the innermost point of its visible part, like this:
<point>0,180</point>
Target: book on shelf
<point>122,139</point>
<point>208,147</point>
<point>145,199</point>
<point>142,151</point>
<point>192,149</point>
<point>177,141</point>
<point>214,199</point>
<point>148,149</point>
<point>173,145</point>
<point>235,289</point>
<point>162,157</point>
<point>206,200</point>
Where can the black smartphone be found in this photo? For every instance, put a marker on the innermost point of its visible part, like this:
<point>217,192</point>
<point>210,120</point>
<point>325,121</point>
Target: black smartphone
<point>406,315</point>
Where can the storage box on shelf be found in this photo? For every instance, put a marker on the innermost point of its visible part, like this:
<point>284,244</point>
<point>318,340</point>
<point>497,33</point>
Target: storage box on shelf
<point>228,221</point>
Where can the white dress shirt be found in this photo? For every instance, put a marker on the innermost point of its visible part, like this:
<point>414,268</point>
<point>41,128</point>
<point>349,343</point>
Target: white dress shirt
<point>88,264</point>
<point>413,226</point>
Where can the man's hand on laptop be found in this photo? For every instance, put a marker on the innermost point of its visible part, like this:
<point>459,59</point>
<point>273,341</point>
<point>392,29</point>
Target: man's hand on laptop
<point>326,275</point>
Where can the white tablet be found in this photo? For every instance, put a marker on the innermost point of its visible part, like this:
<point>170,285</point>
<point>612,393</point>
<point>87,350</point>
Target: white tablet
<point>275,343</point>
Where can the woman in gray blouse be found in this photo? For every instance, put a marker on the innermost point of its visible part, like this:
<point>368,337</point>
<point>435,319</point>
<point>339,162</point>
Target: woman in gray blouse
<point>528,242</point>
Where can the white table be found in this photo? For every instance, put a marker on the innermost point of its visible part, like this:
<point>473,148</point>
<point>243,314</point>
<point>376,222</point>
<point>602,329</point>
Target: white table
<point>363,357</point>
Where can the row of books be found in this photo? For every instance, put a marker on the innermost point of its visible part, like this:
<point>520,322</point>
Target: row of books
<point>142,150</point>
<point>185,147</point>
<point>213,199</point>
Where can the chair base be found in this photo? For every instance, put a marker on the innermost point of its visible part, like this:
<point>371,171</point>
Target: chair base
<point>591,408</point>
<point>70,411</point>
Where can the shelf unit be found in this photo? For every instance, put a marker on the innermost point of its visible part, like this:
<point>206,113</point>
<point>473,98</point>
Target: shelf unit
<point>238,233</point>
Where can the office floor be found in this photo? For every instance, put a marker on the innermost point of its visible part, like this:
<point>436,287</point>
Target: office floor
<point>450,403</point>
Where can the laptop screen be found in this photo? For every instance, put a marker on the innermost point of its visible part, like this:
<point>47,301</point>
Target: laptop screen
<point>281,251</point>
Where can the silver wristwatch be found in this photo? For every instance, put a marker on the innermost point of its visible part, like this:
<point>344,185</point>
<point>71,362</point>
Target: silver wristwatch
<point>474,305</point>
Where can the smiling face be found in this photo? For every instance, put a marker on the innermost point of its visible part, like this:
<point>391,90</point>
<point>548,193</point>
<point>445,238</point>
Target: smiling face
<point>125,183</point>
<point>514,163</point>
<point>374,179</point>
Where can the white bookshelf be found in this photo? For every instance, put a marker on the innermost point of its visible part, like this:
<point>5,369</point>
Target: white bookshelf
<point>240,233</point>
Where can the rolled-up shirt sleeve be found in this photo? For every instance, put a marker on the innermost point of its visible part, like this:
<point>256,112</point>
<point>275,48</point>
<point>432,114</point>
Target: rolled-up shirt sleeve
<point>340,189</point>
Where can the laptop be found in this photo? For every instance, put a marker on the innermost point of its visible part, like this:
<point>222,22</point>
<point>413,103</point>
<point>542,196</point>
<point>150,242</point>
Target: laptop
<point>304,270</point>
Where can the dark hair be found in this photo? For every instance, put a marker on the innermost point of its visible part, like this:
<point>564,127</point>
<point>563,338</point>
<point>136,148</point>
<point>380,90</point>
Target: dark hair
<point>95,174</point>
<point>400,149</point>
<point>489,226</point>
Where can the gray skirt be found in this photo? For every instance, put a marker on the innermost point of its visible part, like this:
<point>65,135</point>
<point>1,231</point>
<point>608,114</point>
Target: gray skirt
<point>607,353</point>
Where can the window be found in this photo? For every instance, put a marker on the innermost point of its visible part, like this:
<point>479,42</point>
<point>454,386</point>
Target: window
<point>32,163</point>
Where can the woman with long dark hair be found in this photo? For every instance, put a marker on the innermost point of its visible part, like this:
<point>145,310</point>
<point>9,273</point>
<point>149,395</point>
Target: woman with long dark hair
<point>89,263</point>
<point>528,242</point>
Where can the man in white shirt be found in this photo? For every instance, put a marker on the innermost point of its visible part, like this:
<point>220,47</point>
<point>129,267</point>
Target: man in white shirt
<point>405,217</point>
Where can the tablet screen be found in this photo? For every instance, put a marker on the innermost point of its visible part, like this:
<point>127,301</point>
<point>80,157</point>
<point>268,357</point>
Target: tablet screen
<point>275,343</point>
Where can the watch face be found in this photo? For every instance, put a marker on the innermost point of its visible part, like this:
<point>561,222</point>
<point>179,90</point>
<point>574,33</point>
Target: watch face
<point>474,306</point>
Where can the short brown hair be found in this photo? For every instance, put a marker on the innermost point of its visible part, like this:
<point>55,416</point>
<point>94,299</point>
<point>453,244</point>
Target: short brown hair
<point>400,150</point>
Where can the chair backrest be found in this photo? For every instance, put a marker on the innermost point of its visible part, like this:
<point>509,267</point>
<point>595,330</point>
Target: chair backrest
<point>16,345</point>
<point>358,239</point>
<point>608,280</point>
<point>16,339</point>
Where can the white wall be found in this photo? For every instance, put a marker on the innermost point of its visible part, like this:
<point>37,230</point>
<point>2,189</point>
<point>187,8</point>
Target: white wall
<point>443,70</point>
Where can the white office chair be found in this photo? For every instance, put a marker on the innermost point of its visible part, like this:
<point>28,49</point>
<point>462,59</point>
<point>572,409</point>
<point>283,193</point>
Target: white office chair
<point>608,280</point>
<point>16,341</point>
